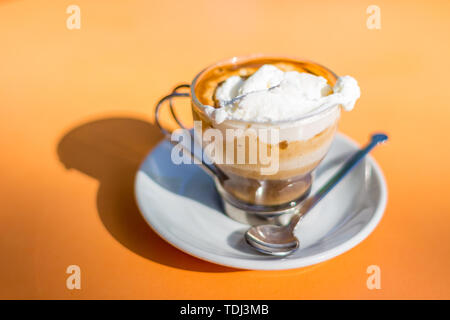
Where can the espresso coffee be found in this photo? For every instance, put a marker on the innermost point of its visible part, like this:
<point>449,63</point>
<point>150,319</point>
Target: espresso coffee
<point>303,139</point>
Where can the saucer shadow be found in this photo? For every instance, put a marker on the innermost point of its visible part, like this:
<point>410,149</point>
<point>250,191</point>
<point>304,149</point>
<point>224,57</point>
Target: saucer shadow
<point>111,150</point>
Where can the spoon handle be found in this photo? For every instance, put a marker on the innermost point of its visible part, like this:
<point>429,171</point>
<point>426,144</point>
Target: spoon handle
<point>346,168</point>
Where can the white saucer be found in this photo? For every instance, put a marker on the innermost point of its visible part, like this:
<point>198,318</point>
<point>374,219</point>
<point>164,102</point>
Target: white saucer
<point>181,204</point>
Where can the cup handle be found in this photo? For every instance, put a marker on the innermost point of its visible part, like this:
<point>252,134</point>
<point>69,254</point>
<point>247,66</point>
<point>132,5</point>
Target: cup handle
<point>213,171</point>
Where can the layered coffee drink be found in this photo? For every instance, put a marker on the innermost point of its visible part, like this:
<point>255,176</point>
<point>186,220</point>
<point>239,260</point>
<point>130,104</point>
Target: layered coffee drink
<point>277,118</point>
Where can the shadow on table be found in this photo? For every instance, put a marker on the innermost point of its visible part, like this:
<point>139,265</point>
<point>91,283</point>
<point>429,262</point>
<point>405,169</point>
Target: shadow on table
<point>111,150</point>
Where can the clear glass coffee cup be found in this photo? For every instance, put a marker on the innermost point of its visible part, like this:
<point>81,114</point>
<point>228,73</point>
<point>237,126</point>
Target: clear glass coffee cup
<point>264,171</point>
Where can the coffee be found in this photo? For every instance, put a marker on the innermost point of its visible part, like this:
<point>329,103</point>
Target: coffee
<point>303,139</point>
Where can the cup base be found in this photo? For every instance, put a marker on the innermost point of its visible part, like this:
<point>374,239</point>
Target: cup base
<point>259,214</point>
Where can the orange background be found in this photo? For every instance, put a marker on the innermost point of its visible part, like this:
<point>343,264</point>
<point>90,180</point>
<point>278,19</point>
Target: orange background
<point>76,120</point>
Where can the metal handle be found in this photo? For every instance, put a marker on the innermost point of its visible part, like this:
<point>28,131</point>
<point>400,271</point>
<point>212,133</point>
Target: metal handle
<point>210,170</point>
<point>169,97</point>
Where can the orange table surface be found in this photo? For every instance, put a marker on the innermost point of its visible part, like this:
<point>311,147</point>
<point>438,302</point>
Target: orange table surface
<point>76,120</point>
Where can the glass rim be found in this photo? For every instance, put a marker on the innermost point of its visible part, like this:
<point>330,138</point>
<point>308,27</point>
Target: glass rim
<point>235,60</point>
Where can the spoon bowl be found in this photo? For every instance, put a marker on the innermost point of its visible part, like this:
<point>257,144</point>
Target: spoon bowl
<point>272,239</point>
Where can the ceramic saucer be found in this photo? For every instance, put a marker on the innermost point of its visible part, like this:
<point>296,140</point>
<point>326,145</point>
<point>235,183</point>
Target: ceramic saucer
<point>180,203</point>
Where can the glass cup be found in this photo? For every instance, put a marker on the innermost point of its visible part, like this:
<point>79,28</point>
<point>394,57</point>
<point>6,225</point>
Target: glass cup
<point>274,175</point>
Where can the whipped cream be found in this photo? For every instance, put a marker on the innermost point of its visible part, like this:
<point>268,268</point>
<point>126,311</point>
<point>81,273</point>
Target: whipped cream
<point>271,95</point>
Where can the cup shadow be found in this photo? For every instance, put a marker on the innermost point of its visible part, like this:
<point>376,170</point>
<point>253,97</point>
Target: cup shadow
<point>111,150</point>
<point>184,179</point>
